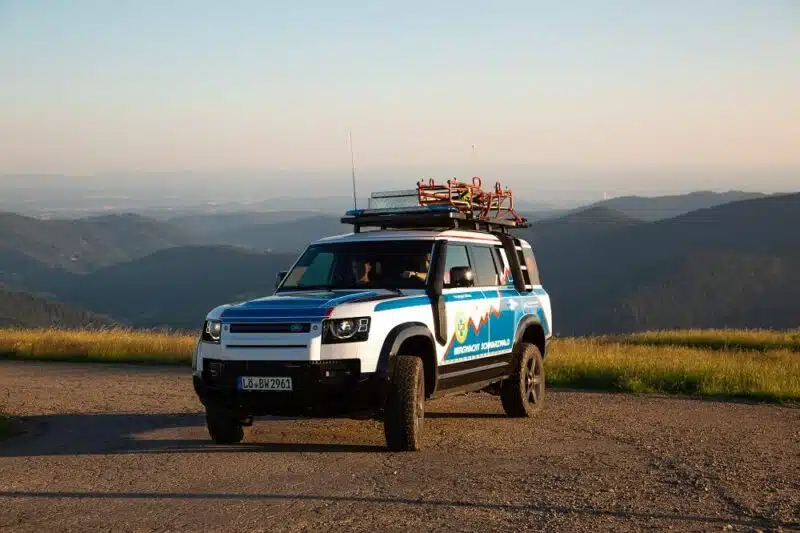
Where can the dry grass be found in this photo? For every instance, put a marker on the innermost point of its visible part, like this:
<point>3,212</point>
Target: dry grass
<point>604,365</point>
<point>754,364</point>
<point>716,339</point>
<point>105,345</point>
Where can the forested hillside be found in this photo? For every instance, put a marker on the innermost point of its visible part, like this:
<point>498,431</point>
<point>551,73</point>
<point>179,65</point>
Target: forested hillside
<point>732,265</point>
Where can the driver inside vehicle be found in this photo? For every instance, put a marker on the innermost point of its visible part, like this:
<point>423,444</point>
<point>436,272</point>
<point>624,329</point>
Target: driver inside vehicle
<point>421,275</point>
<point>361,271</point>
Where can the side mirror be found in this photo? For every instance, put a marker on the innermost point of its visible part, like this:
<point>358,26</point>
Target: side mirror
<point>279,277</point>
<point>462,277</point>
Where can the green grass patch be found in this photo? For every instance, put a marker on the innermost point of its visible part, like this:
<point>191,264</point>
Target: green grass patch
<point>597,364</point>
<point>715,339</point>
<point>104,346</point>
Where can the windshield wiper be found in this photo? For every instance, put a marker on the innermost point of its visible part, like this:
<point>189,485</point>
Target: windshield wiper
<point>396,291</point>
<point>309,288</point>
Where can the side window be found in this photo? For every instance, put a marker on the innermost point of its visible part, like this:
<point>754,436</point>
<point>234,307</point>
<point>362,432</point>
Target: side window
<point>530,262</point>
<point>500,264</point>
<point>485,269</point>
<point>456,257</point>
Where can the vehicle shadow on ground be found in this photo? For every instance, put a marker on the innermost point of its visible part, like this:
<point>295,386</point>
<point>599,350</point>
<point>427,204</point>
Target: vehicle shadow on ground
<point>125,433</point>
<point>751,522</point>
<point>97,434</point>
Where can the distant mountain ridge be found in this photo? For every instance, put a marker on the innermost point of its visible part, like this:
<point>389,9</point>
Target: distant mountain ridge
<point>655,208</point>
<point>577,224</point>
<point>85,244</point>
<point>733,265</point>
<point>175,287</point>
<point>736,264</point>
<point>288,231</point>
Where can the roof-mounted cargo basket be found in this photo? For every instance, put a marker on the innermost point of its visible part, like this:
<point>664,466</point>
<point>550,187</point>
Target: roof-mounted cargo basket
<point>432,206</point>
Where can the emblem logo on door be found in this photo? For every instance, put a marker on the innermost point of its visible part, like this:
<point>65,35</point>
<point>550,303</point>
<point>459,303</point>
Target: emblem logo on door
<point>462,327</point>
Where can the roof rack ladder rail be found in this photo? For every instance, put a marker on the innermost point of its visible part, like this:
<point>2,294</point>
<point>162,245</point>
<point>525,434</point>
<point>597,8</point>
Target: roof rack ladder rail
<point>509,243</point>
<point>523,265</point>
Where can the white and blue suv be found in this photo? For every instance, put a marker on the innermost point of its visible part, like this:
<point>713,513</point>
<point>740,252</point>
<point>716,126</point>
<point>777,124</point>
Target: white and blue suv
<point>376,323</point>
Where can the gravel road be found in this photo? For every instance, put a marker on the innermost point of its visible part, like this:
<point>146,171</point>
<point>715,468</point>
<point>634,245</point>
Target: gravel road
<point>124,448</point>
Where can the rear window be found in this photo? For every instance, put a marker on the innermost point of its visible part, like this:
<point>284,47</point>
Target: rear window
<point>530,262</point>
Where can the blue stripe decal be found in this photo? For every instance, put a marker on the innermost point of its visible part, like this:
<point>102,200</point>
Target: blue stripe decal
<point>293,307</point>
<point>402,303</point>
<point>477,294</point>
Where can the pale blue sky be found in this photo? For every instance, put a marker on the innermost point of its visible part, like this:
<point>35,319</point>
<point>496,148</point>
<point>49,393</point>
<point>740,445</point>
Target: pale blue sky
<point>136,85</point>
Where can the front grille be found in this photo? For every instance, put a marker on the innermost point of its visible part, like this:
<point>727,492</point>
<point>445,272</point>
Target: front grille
<point>305,374</point>
<point>289,327</point>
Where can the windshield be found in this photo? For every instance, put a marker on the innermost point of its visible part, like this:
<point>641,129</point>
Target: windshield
<point>358,265</point>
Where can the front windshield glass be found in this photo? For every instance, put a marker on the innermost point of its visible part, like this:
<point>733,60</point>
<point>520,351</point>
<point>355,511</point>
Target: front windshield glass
<point>359,265</point>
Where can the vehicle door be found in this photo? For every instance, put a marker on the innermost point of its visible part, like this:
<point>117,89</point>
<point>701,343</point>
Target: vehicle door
<point>499,305</point>
<point>465,331</point>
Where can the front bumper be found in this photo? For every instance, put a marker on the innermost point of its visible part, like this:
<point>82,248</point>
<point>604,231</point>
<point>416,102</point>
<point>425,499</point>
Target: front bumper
<point>319,388</point>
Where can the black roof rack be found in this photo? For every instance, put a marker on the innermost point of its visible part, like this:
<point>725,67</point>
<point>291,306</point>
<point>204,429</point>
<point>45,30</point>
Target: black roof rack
<point>428,217</point>
<point>451,205</point>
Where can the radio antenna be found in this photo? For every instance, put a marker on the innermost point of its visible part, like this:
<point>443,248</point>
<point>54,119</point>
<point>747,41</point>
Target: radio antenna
<point>353,167</point>
<point>474,168</point>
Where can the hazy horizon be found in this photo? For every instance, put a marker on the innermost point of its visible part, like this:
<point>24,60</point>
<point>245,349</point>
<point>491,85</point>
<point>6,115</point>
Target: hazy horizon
<point>333,191</point>
<point>558,101</point>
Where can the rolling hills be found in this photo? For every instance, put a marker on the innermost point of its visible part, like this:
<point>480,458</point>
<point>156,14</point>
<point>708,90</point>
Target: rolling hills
<point>175,287</point>
<point>83,245</point>
<point>650,209</point>
<point>25,310</point>
<point>735,265</point>
<point>731,265</point>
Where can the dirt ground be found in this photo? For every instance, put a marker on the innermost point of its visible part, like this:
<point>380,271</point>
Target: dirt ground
<point>124,448</point>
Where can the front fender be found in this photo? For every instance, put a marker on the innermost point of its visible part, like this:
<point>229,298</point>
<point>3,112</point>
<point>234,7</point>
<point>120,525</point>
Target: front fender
<point>395,339</point>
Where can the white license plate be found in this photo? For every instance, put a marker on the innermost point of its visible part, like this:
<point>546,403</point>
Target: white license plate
<point>265,383</point>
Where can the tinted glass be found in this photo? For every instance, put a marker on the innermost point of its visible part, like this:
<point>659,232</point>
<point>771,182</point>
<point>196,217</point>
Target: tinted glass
<point>501,266</point>
<point>533,269</point>
<point>485,271</point>
<point>384,264</point>
<point>456,257</point>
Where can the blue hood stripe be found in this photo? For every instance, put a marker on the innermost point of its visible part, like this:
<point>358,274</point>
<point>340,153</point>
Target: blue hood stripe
<point>292,307</point>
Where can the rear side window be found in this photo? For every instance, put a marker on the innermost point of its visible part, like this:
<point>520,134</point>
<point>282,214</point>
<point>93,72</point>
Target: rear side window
<point>485,268</point>
<point>501,265</point>
<point>456,257</point>
<point>530,262</point>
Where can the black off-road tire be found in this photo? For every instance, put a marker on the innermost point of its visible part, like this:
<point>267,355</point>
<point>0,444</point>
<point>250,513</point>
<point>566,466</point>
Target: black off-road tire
<point>405,405</point>
<point>223,426</point>
<point>522,393</point>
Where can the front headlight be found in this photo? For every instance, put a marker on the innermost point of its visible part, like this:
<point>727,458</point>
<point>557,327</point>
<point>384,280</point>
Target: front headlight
<point>212,329</point>
<point>345,330</point>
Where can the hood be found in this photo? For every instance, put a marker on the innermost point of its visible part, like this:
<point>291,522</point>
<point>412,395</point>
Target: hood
<point>306,306</point>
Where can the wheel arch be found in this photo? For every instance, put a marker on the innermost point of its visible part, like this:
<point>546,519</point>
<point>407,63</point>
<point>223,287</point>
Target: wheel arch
<point>411,338</point>
<point>530,330</point>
